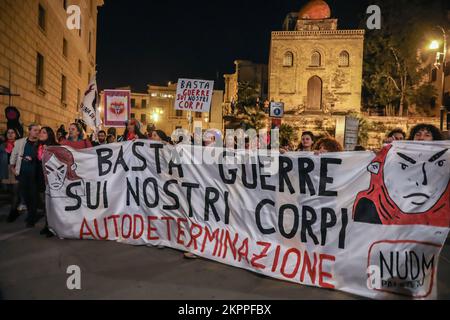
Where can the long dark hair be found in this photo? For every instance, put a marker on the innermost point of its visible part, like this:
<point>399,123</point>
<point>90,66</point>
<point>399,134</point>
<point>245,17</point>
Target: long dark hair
<point>137,131</point>
<point>82,132</point>
<point>51,139</point>
<point>15,132</point>
<point>396,130</point>
<point>306,133</point>
<point>164,137</point>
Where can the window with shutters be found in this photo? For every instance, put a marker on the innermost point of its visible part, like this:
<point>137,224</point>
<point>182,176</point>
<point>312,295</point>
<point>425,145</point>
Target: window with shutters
<point>316,59</point>
<point>344,59</point>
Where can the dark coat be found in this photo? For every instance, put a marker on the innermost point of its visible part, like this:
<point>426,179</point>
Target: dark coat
<point>4,162</point>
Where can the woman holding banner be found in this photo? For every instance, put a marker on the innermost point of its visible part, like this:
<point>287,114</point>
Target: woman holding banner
<point>46,138</point>
<point>326,145</point>
<point>77,138</point>
<point>160,136</point>
<point>307,142</point>
<point>425,132</point>
<point>7,176</point>
<point>132,132</point>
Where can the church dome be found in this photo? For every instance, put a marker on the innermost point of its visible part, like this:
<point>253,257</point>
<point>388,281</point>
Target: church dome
<point>315,10</point>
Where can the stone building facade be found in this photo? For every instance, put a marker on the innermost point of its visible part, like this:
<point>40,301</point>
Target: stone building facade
<point>44,62</point>
<point>245,71</point>
<point>314,67</point>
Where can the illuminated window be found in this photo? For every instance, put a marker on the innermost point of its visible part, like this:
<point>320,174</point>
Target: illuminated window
<point>344,59</point>
<point>288,60</point>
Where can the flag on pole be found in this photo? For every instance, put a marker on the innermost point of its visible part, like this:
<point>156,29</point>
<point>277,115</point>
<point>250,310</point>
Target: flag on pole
<point>89,107</point>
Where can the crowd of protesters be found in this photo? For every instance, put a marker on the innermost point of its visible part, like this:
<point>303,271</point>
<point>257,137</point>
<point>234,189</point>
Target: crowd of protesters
<point>22,174</point>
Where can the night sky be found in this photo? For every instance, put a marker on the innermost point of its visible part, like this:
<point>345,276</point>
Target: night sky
<point>144,42</point>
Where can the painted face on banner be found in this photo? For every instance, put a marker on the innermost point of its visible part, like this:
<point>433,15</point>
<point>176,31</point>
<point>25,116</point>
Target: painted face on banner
<point>56,173</point>
<point>416,181</point>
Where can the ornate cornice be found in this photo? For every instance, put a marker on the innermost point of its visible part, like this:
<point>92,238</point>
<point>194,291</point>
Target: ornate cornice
<point>329,34</point>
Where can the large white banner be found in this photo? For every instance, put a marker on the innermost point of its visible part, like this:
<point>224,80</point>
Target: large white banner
<point>371,225</point>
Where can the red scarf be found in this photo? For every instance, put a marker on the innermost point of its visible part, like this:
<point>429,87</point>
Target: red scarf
<point>40,152</point>
<point>131,136</point>
<point>390,214</point>
<point>9,146</point>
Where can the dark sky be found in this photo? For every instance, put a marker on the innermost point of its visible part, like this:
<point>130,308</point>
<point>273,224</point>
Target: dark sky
<point>145,41</point>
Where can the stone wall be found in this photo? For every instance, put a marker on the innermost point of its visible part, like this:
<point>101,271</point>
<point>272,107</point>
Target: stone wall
<point>380,126</point>
<point>374,129</point>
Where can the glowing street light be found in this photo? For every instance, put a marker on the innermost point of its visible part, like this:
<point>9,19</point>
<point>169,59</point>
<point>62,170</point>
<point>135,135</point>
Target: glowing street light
<point>434,45</point>
<point>156,115</point>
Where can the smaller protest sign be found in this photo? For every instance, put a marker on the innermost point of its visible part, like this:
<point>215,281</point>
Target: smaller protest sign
<point>194,95</point>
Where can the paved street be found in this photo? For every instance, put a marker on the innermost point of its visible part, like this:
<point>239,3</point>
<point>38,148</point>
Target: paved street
<point>34,267</point>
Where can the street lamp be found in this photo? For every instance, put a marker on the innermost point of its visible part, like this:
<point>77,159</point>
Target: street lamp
<point>156,115</point>
<point>434,45</point>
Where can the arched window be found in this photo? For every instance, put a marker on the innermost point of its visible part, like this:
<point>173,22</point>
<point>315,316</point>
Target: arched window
<point>288,60</point>
<point>316,59</point>
<point>344,59</point>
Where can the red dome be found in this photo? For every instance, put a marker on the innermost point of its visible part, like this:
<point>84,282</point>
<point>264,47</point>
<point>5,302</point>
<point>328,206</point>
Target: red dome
<point>315,10</point>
